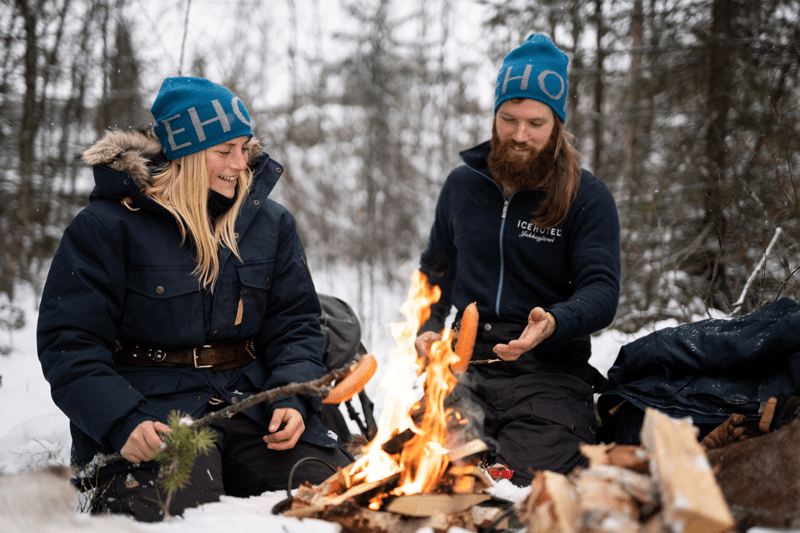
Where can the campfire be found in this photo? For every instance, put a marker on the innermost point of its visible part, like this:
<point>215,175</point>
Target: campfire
<point>422,467</point>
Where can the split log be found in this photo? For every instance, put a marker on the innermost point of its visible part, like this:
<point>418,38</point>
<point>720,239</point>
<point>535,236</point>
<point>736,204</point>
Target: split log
<point>614,499</point>
<point>42,500</point>
<point>311,501</point>
<point>622,455</point>
<point>358,520</point>
<point>553,505</point>
<point>760,478</point>
<point>639,486</point>
<point>691,498</point>
<point>428,505</point>
<point>483,517</point>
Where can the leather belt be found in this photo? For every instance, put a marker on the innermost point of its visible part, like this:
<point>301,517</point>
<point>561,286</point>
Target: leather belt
<point>216,356</point>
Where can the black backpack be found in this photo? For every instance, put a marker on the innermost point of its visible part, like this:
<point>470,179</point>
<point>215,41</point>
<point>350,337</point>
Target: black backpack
<point>342,332</point>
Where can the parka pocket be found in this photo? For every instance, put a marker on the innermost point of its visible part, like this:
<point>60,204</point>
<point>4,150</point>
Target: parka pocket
<point>162,305</point>
<point>167,391</point>
<point>255,280</point>
<point>153,383</point>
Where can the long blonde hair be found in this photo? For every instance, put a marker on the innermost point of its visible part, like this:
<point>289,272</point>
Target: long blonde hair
<point>182,189</point>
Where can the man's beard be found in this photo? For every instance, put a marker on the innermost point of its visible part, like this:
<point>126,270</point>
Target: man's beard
<point>512,172</point>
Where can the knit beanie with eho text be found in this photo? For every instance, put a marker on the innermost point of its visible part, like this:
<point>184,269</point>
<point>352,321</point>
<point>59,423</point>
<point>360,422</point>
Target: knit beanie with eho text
<point>192,114</point>
<point>536,69</point>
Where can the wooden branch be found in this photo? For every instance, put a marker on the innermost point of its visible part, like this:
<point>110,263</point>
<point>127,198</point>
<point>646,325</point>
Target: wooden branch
<point>316,387</point>
<point>738,305</point>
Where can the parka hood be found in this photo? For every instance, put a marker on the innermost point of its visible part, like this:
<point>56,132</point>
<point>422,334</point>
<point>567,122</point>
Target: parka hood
<point>138,154</point>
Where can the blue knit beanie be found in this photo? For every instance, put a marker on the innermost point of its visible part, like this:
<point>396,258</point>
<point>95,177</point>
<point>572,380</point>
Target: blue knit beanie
<point>193,114</point>
<point>537,70</point>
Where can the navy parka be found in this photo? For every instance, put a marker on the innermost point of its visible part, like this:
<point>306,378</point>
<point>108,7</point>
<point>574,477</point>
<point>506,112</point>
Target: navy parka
<point>124,274</point>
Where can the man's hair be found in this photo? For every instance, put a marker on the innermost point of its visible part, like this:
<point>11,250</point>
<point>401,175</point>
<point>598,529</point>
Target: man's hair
<point>182,189</point>
<point>561,185</point>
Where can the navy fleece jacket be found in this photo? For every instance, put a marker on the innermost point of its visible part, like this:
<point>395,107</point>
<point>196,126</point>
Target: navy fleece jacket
<point>487,250</point>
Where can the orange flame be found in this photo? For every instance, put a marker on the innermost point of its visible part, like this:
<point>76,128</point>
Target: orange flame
<point>423,459</point>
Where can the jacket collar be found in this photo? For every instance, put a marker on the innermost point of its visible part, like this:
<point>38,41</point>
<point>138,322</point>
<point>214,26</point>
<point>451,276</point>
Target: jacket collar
<point>475,158</point>
<point>124,160</point>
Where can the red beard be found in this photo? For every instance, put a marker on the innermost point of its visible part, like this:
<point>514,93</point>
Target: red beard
<point>512,172</point>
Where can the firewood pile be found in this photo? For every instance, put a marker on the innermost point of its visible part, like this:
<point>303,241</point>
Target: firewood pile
<point>665,485</point>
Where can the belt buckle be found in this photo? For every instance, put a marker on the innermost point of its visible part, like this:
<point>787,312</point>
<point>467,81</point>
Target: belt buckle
<point>194,356</point>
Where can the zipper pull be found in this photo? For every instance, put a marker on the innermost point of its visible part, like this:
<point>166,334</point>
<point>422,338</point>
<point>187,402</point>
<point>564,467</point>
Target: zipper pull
<point>505,209</point>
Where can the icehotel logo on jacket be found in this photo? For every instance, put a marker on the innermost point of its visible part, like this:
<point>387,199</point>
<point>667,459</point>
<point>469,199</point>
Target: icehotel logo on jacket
<point>530,230</point>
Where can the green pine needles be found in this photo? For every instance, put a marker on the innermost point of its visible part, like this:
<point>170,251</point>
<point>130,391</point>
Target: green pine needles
<point>179,452</point>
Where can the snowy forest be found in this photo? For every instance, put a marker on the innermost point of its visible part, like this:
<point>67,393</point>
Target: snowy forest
<point>687,109</point>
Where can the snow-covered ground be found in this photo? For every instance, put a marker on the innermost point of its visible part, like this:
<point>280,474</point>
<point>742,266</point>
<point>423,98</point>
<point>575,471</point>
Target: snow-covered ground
<point>34,433</point>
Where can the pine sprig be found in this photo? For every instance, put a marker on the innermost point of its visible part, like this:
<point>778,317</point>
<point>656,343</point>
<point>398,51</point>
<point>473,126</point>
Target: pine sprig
<point>179,452</point>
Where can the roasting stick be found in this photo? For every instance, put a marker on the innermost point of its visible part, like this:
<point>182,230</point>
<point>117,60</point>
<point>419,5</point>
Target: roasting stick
<point>352,378</point>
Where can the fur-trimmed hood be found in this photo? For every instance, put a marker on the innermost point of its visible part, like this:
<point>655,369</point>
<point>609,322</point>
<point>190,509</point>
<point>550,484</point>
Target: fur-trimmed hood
<point>138,153</point>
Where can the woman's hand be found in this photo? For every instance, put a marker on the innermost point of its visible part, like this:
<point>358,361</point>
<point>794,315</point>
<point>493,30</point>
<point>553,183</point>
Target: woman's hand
<point>285,428</point>
<point>144,441</point>
<point>540,326</point>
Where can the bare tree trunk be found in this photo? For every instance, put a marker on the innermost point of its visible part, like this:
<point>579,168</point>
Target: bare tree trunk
<point>577,74</point>
<point>719,85</point>
<point>633,138</point>
<point>27,137</point>
<point>597,130</point>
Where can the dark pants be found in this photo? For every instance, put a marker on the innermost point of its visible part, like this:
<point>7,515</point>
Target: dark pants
<point>536,415</point>
<point>239,464</point>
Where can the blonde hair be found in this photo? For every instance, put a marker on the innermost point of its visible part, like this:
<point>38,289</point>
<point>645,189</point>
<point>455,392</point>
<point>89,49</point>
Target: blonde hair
<point>182,189</point>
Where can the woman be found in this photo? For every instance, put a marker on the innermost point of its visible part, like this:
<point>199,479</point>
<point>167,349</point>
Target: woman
<point>182,286</point>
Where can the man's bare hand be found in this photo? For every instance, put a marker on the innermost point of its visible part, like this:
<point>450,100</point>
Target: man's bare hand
<point>540,326</point>
<point>423,343</point>
<point>285,428</point>
<point>144,441</point>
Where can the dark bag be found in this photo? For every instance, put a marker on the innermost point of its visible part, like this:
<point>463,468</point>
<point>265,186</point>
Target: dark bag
<point>705,370</point>
<point>341,330</point>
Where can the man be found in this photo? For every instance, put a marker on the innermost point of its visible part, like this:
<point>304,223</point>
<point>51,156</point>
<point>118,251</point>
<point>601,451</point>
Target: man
<point>533,239</point>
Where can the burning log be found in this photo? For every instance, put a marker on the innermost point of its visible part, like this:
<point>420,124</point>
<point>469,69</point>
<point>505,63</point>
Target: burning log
<point>369,506</point>
<point>427,505</point>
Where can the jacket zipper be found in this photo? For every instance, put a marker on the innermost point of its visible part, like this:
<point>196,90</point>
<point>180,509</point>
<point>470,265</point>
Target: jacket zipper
<point>502,260</point>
